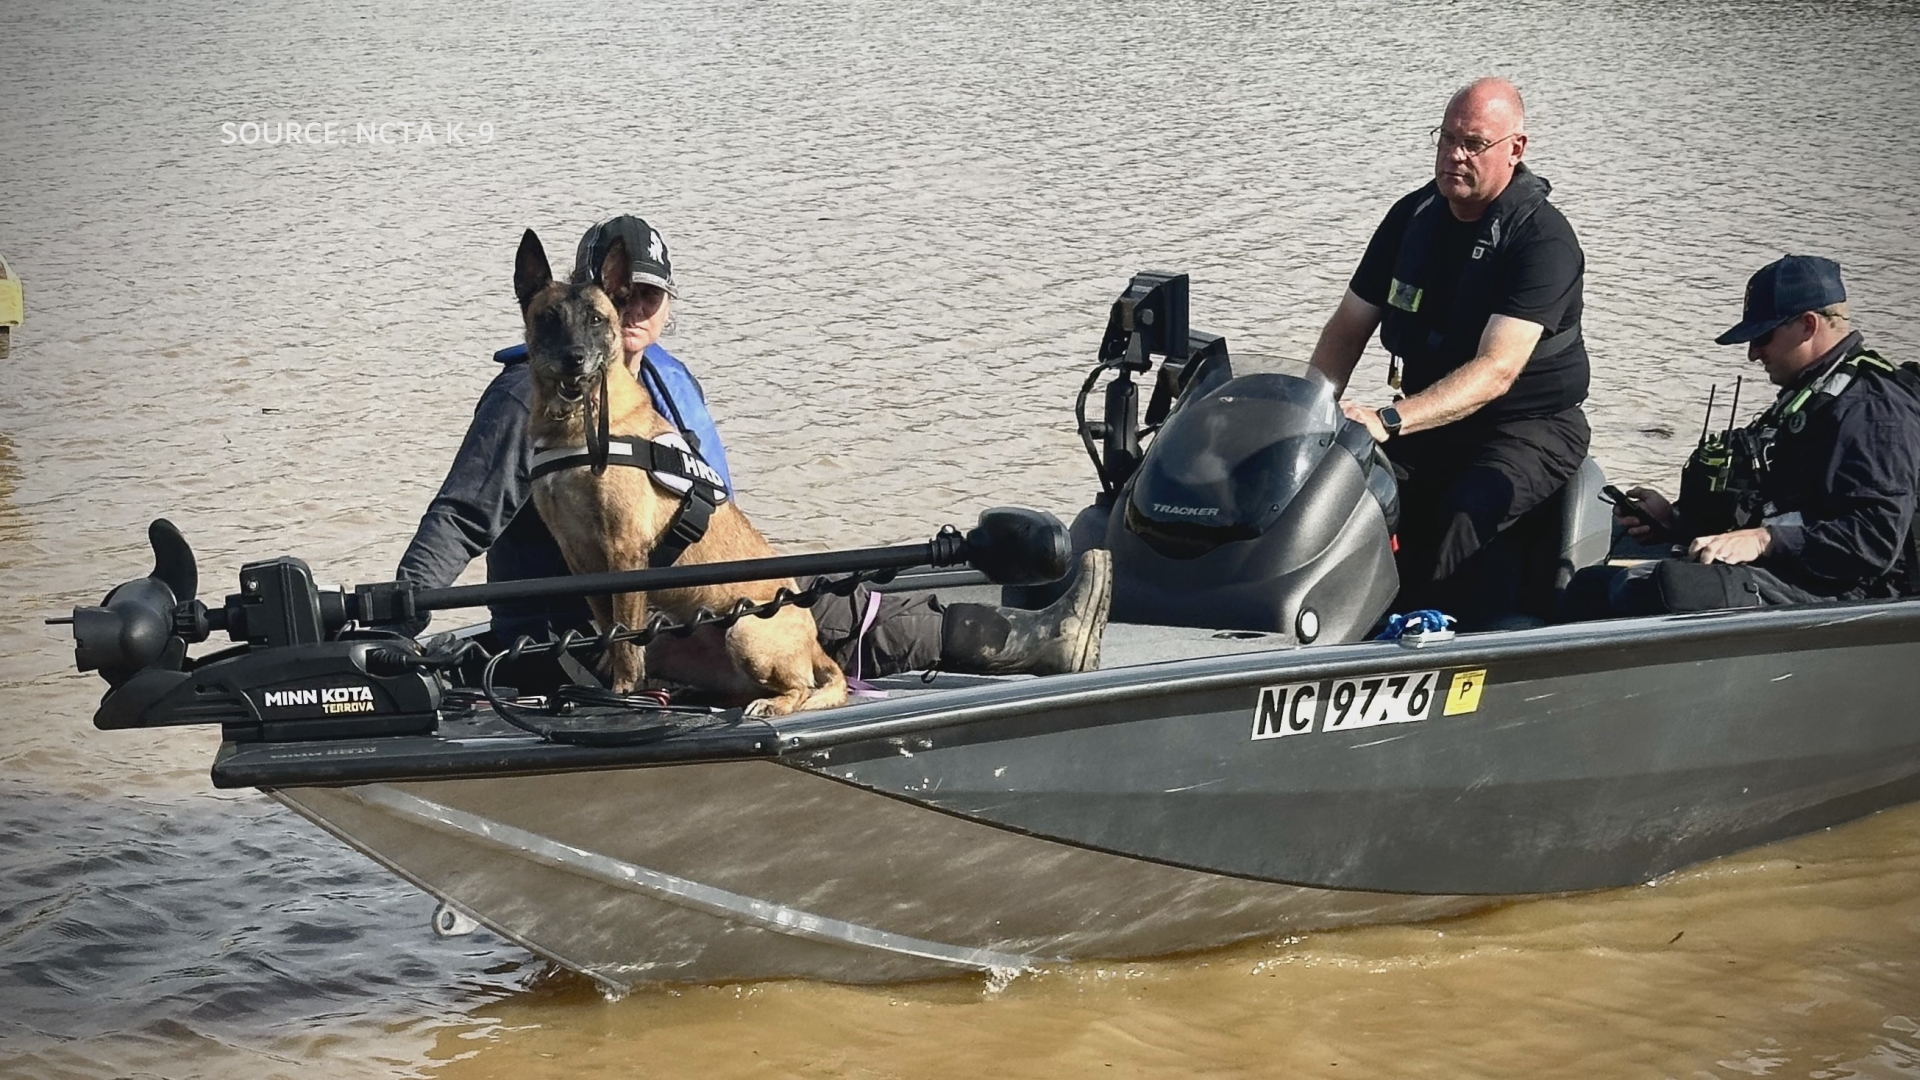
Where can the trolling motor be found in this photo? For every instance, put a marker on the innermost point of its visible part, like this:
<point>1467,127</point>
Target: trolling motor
<point>1149,319</point>
<point>307,668</point>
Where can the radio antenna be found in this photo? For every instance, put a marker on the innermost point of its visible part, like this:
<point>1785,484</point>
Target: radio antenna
<point>1733,417</point>
<point>1706,422</point>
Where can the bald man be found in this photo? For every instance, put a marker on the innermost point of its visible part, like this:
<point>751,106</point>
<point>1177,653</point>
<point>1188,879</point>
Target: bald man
<point>1474,284</point>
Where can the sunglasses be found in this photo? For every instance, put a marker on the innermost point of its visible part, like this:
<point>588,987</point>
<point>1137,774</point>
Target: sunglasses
<point>646,297</point>
<point>1766,339</point>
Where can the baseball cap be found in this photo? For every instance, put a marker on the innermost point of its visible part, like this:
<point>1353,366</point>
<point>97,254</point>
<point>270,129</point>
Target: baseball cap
<point>1783,290</point>
<point>646,248</point>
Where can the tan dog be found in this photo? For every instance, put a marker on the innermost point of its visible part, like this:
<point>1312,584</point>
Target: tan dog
<point>612,520</point>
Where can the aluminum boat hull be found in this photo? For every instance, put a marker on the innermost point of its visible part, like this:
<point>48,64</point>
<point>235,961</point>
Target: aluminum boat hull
<point>1143,809</point>
<point>755,870</point>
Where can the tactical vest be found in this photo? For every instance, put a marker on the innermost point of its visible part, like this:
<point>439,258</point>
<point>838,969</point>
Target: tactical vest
<point>1430,343</point>
<point>1738,471</point>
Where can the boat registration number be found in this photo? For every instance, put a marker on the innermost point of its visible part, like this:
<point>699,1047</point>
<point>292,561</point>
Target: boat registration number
<point>1401,697</point>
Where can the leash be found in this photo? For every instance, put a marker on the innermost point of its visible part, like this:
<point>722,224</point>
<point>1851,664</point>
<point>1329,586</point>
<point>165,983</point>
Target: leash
<point>599,433</point>
<point>535,719</point>
<point>856,681</point>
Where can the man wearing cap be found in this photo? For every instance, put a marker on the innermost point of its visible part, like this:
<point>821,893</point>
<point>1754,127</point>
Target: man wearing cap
<point>1474,282</point>
<point>1833,467</point>
<point>484,506</point>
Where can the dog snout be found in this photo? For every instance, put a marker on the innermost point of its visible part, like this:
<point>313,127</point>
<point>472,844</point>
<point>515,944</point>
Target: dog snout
<point>574,361</point>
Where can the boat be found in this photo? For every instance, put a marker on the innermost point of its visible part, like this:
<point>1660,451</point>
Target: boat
<point>13,308</point>
<point>1246,763</point>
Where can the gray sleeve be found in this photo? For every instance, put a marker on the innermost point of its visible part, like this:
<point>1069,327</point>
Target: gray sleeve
<point>487,485</point>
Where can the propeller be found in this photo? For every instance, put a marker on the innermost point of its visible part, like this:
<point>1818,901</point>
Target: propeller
<point>173,563</point>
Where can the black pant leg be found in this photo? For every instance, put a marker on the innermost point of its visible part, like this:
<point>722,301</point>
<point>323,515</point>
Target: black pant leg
<point>1428,463</point>
<point>1590,595</point>
<point>905,635</point>
<point>1466,486</point>
<point>1676,587</point>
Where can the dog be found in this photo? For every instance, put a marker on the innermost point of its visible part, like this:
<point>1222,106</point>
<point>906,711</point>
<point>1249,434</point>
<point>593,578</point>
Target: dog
<point>611,517</point>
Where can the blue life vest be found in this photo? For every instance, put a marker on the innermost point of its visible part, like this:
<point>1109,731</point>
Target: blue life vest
<point>676,395</point>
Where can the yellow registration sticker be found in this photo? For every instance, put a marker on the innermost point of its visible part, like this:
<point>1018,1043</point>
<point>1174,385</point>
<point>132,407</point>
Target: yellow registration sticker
<point>1463,696</point>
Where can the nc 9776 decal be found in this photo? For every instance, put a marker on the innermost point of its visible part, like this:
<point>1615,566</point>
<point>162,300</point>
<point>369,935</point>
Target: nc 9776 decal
<point>1400,697</point>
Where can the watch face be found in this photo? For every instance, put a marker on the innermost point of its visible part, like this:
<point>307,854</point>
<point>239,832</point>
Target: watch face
<point>1390,417</point>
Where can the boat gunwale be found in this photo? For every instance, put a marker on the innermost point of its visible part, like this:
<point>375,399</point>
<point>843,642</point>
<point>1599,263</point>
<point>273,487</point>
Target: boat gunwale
<point>1577,649</point>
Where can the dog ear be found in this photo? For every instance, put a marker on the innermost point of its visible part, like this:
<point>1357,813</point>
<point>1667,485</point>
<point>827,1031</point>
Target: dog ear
<point>530,270</point>
<point>616,272</point>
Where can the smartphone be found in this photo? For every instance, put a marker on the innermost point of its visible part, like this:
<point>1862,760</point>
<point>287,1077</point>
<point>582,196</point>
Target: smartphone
<point>1631,507</point>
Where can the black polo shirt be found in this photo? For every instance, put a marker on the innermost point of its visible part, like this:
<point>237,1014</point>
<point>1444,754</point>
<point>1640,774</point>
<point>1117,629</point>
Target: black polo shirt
<point>1540,282</point>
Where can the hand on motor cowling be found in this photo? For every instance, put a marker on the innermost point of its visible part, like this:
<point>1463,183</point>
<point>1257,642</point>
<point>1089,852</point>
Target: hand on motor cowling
<point>1738,546</point>
<point>1653,503</point>
<point>1360,414</point>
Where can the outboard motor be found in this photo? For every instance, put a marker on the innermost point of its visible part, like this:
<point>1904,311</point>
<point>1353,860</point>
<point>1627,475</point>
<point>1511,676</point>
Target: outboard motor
<point>1257,505</point>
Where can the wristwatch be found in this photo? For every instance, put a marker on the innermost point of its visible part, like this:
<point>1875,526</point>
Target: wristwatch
<point>1390,419</point>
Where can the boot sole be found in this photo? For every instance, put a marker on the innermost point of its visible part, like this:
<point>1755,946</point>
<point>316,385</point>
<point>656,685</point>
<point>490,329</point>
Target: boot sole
<point>1088,658</point>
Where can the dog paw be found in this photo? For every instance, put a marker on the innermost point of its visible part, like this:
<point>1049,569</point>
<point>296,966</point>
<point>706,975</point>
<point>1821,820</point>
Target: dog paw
<point>767,709</point>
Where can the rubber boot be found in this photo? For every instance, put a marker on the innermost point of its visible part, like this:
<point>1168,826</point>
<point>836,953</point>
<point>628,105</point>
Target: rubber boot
<point>981,639</point>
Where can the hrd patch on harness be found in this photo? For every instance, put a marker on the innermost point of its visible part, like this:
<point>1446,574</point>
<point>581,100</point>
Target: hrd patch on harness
<point>1370,701</point>
<point>331,700</point>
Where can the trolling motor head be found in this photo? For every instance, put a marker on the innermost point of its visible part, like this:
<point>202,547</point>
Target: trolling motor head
<point>1016,546</point>
<point>293,678</point>
<point>146,620</point>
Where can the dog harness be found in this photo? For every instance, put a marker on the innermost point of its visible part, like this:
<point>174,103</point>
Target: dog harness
<point>670,463</point>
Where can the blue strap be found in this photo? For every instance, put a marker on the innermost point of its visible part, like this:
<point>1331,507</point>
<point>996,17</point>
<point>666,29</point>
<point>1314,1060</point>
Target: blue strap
<point>676,396</point>
<point>1424,621</point>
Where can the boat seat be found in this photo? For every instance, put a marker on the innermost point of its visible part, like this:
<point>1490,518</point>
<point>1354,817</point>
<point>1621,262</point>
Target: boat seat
<point>1532,562</point>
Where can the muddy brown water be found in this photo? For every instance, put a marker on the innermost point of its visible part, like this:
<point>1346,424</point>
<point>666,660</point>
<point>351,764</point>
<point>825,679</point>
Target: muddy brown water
<point>897,227</point>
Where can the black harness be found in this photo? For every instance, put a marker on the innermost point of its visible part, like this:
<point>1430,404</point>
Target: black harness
<point>671,464</point>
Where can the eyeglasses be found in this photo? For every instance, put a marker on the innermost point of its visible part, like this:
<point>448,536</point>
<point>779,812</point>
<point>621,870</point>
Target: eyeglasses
<point>1447,140</point>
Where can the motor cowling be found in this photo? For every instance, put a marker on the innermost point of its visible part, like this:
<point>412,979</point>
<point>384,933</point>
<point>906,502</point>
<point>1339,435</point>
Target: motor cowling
<point>1258,507</point>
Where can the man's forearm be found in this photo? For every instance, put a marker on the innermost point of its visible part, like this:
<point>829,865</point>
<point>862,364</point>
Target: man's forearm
<point>1505,347</point>
<point>1463,392</point>
<point>1335,355</point>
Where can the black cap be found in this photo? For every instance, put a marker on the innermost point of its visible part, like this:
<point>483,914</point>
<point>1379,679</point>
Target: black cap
<point>645,247</point>
<point>1784,290</point>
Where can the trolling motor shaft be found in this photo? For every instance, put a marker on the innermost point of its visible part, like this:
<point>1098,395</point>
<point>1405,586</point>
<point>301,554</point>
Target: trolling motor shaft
<point>303,671</point>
